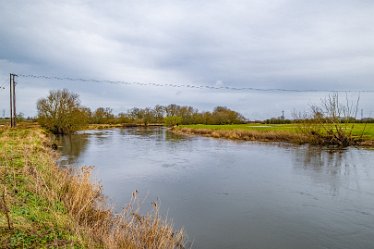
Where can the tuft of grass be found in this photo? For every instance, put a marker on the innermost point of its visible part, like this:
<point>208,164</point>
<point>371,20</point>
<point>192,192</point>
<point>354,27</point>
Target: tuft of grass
<point>44,206</point>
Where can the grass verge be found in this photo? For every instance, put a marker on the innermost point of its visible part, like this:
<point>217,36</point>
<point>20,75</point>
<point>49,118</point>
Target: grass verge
<point>44,206</point>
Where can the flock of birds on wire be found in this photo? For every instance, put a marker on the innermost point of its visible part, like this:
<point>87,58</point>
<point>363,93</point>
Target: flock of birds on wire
<point>196,86</point>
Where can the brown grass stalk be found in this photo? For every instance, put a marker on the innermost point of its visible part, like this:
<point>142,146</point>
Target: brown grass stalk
<point>5,210</point>
<point>91,219</point>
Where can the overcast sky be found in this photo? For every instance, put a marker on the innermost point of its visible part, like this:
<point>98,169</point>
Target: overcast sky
<point>288,44</point>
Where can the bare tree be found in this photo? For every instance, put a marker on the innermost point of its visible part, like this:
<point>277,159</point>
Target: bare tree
<point>333,122</point>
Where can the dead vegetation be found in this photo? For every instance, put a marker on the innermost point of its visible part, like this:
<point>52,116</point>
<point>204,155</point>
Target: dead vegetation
<point>332,122</point>
<point>246,135</point>
<point>44,206</point>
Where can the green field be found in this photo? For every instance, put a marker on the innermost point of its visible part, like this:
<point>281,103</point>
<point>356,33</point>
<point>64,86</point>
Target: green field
<point>357,130</point>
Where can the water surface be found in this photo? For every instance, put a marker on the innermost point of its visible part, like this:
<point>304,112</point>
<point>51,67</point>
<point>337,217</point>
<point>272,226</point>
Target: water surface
<point>229,194</point>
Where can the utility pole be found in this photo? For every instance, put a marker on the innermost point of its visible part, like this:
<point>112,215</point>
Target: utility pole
<point>14,102</point>
<point>12,91</point>
<point>11,99</point>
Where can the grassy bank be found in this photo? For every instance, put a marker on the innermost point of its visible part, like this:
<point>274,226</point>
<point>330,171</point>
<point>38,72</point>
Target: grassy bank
<point>44,206</point>
<point>267,132</point>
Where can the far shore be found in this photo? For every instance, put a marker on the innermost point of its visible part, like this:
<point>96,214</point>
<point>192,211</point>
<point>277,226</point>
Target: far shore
<point>266,133</point>
<point>245,132</point>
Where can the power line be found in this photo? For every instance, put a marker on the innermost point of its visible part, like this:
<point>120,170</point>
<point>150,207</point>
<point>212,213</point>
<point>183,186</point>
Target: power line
<point>209,87</point>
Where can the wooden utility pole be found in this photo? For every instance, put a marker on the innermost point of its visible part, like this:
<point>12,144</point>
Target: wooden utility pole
<point>14,102</point>
<point>11,99</point>
<point>12,92</point>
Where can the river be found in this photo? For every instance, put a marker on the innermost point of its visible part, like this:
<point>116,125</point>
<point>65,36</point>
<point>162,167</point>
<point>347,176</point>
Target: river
<point>235,195</point>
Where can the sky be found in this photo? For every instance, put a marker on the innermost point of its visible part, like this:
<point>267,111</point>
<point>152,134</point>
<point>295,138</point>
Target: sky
<point>325,45</point>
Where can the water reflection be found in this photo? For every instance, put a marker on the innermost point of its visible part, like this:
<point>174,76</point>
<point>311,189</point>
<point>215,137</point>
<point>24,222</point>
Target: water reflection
<point>71,147</point>
<point>158,133</point>
<point>238,194</point>
<point>336,168</point>
<point>319,159</point>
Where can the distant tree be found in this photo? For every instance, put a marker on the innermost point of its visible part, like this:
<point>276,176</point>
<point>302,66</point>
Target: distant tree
<point>172,120</point>
<point>172,110</point>
<point>224,115</point>
<point>99,115</point>
<point>148,116</point>
<point>123,118</point>
<point>103,116</point>
<point>135,114</point>
<point>21,117</point>
<point>61,112</point>
<point>159,113</point>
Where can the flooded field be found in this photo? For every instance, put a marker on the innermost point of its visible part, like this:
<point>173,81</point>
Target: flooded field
<point>229,194</point>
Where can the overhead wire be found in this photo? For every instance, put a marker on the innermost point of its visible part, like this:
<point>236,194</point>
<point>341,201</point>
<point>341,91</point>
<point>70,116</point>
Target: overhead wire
<point>195,86</point>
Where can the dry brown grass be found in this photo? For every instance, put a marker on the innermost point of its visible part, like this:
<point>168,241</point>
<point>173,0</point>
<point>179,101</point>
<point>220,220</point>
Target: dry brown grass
<point>128,229</point>
<point>246,135</point>
<point>65,202</point>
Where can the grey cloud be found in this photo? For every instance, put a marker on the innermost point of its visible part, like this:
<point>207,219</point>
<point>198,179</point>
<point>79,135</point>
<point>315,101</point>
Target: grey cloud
<point>270,44</point>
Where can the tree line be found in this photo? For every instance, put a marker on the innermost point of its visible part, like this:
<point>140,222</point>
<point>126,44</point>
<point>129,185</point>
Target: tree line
<point>61,112</point>
<point>170,115</point>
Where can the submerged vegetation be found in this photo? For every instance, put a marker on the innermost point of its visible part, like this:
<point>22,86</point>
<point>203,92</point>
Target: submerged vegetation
<point>44,206</point>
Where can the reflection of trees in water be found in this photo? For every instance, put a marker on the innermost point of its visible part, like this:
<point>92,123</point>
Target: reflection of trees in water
<point>71,146</point>
<point>334,167</point>
<point>173,137</point>
<point>141,131</point>
<point>99,138</point>
<point>157,133</point>
<point>320,160</point>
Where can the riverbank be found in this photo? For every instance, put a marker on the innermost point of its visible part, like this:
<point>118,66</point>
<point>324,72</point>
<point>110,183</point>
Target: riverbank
<point>44,206</point>
<point>124,125</point>
<point>267,132</point>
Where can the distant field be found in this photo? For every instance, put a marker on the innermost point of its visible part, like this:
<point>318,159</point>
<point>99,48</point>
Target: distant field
<point>358,128</point>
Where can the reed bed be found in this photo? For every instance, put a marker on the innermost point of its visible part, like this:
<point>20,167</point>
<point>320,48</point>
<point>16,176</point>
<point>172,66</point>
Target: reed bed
<point>45,206</point>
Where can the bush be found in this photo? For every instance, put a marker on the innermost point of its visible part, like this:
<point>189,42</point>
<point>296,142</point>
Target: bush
<point>331,123</point>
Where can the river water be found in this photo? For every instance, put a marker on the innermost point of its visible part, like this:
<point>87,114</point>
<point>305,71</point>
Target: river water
<point>235,195</point>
